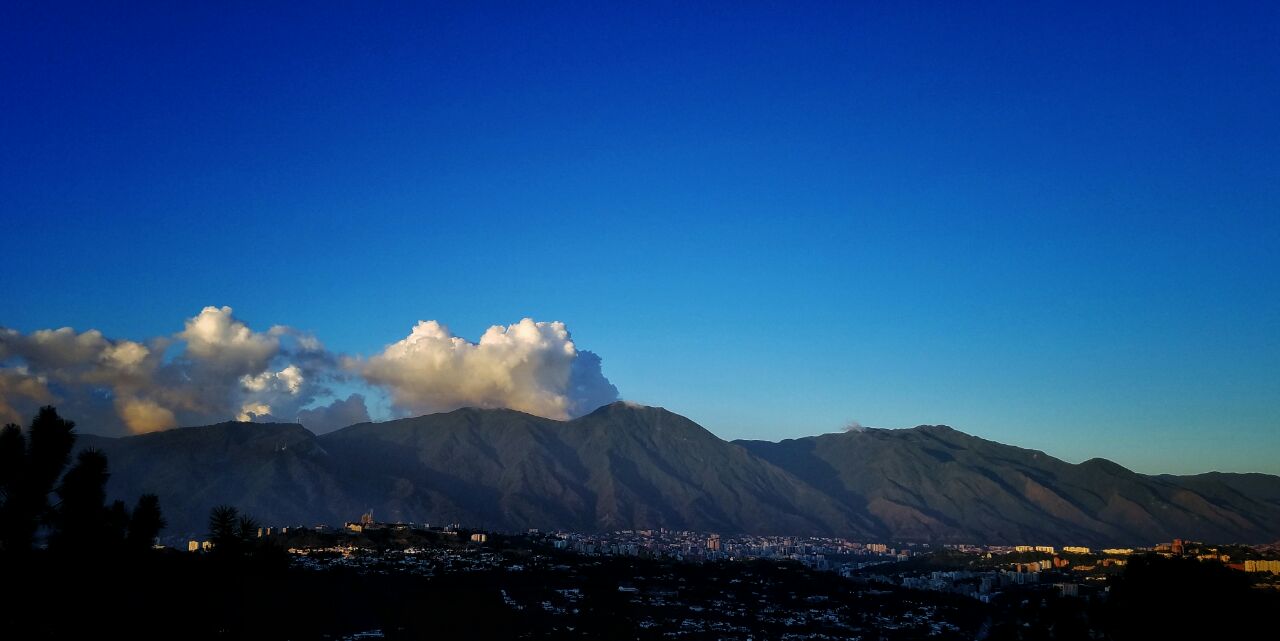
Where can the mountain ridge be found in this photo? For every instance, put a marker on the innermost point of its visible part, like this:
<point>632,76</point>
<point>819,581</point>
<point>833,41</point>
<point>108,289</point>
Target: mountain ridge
<point>625,466</point>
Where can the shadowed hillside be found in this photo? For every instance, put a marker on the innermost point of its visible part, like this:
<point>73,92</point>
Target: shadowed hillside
<point>621,466</point>
<point>625,466</point>
<point>933,482</point>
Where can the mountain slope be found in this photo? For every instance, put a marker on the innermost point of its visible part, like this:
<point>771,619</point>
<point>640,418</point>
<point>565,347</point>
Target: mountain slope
<point>935,483</point>
<point>625,466</point>
<point>618,467</point>
<point>278,473</point>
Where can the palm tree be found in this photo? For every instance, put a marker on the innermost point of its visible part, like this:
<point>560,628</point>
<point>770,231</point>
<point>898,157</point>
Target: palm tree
<point>247,529</point>
<point>80,516</point>
<point>223,531</point>
<point>30,464</point>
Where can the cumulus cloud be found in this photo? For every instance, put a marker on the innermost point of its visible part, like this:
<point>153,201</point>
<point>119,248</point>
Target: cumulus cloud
<point>289,379</point>
<point>18,389</point>
<point>144,415</point>
<point>528,366</point>
<point>218,368</point>
<point>588,387</point>
<point>338,414</point>
<point>217,339</point>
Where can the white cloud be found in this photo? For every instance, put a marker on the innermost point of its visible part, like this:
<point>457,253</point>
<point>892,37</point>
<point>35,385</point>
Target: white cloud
<point>215,338</point>
<point>218,368</point>
<point>289,379</point>
<point>527,366</point>
<point>253,410</point>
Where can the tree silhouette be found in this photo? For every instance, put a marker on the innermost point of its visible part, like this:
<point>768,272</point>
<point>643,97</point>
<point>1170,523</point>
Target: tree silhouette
<point>117,524</point>
<point>13,458</point>
<point>32,464</point>
<point>246,529</point>
<point>13,452</point>
<point>231,532</point>
<point>80,516</point>
<point>224,532</point>
<point>30,467</point>
<point>145,523</point>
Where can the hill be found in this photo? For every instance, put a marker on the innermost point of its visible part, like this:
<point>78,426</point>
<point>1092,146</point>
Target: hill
<point>935,483</point>
<point>626,466</point>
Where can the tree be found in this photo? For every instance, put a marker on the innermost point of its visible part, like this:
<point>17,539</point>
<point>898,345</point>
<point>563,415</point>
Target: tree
<point>224,532</point>
<point>145,523</point>
<point>13,453</point>
<point>80,516</point>
<point>246,529</point>
<point>231,532</point>
<point>32,464</point>
<point>118,519</point>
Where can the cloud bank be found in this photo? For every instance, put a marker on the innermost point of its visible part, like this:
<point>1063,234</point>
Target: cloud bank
<point>217,368</point>
<point>529,366</point>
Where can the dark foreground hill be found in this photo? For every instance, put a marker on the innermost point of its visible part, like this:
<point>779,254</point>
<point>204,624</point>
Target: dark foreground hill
<point>625,466</point>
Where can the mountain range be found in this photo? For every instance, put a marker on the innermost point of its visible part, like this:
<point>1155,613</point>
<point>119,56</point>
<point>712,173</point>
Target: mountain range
<point>626,466</point>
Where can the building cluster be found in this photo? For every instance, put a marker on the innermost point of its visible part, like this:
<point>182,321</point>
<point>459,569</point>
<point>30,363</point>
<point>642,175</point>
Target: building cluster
<point>1047,549</point>
<point>424,561</point>
<point>366,522</point>
<point>990,577</point>
<point>669,600</point>
<point>1271,566</point>
<point>195,545</point>
<point>1065,572</point>
<point>819,553</point>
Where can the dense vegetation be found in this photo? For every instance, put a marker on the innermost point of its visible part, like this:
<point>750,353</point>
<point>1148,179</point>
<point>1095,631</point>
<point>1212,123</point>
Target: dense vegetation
<point>33,467</point>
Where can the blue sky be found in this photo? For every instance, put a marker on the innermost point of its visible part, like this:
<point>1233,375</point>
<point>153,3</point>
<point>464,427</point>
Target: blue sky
<point>1052,226</point>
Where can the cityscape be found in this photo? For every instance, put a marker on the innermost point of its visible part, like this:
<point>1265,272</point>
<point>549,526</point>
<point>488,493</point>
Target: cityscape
<point>657,572</point>
<point>1005,566</point>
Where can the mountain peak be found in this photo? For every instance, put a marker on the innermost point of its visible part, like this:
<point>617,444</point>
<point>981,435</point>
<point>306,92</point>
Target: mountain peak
<point>624,407</point>
<point>935,428</point>
<point>1105,465</point>
<point>480,411</point>
<point>229,429</point>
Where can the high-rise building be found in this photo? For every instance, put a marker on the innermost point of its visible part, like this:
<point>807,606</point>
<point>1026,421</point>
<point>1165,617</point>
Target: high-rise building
<point>1251,565</point>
